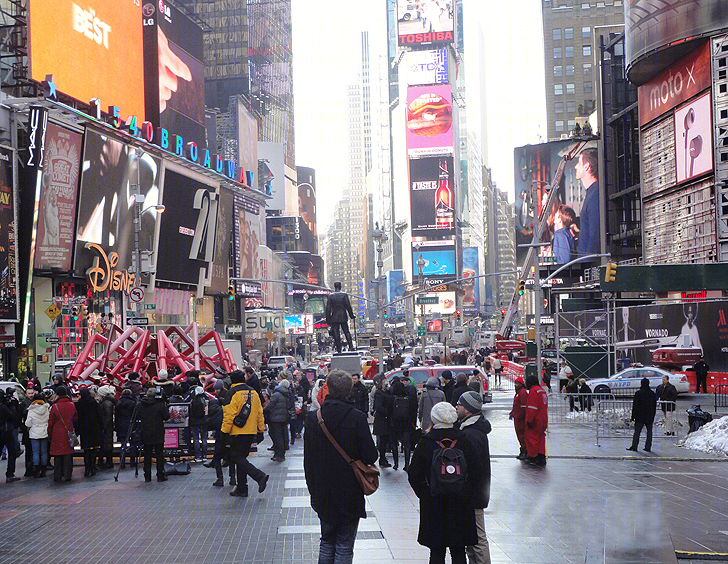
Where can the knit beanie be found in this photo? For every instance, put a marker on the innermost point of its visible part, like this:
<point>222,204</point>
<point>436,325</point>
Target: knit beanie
<point>471,401</point>
<point>443,415</point>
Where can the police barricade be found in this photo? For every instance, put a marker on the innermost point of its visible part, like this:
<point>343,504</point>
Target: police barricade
<point>720,396</point>
<point>573,409</point>
<point>613,419</point>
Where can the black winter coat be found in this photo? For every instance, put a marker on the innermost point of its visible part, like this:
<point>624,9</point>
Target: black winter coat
<point>335,491</point>
<point>152,414</point>
<point>276,410</point>
<point>399,427</point>
<point>458,391</point>
<point>360,397</point>
<point>644,405</point>
<point>667,393</point>
<point>479,474</point>
<point>447,389</point>
<point>444,520</point>
<point>89,423</point>
<point>107,406</point>
<point>382,402</point>
<point>124,411</point>
<point>214,414</point>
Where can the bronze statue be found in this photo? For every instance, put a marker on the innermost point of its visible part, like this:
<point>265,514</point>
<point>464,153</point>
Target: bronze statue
<point>337,307</point>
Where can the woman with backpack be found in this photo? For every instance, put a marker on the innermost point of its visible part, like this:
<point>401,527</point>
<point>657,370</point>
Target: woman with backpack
<point>431,395</point>
<point>400,423</point>
<point>438,476</point>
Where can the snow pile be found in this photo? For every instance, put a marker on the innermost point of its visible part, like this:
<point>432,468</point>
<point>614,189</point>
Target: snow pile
<point>711,437</point>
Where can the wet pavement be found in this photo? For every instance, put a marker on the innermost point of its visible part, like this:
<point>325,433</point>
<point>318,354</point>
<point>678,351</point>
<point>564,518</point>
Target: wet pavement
<point>589,504</point>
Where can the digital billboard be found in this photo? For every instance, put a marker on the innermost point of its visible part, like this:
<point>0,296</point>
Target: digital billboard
<point>93,49</point>
<point>188,228</point>
<point>307,196</point>
<point>8,247</point>
<point>432,197</point>
<point>109,172</point>
<point>429,120</point>
<point>271,178</point>
<point>445,303</point>
<point>248,231</point>
<point>219,280</point>
<point>426,67</point>
<point>439,259</point>
<point>471,287</point>
<point>57,207</point>
<point>425,22</point>
<point>299,324</point>
<point>573,225</point>
<point>395,290</point>
<point>247,141</point>
<point>694,138</point>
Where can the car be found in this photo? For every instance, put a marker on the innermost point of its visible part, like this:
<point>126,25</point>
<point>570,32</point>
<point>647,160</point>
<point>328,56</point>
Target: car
<point>628,381</point>
<point>19,389</point>
<point>421,374</point>
<point>281,362</point>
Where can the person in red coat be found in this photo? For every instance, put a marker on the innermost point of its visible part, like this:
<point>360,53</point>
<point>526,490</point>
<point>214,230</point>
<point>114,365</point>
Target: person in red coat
<point>518,414</point>
<point>60,422</point>
<point>536,421</point>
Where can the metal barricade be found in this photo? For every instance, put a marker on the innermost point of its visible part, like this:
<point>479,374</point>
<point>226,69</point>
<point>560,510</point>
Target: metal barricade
<point>572,409</point>
<point>613,419</point>
<point>506,382</point>
<point>720,396</point>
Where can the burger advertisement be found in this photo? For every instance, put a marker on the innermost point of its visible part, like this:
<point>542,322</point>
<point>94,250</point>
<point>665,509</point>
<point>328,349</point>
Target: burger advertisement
<point>429,119</point>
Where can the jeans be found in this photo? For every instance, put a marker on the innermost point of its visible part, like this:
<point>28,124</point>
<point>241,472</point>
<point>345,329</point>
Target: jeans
<point>457,553</point>
<point>239,450</point>
<point>638,430</point>
<point>40,452</point>
<point>199,440</point>
<point>278,436</point>
<point>337,541</point>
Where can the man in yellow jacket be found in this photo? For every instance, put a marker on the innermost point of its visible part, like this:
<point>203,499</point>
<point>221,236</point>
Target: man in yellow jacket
<point>241,438</point>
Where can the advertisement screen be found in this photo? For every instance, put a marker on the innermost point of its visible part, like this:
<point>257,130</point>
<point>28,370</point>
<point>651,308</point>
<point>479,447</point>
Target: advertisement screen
<point>270,174</point>
<point>109,173</point>
<point>434,326</point>
<point>439,260</point>
<point>429,120</point>
<point>471,298</point>
<point>248,235</point>
<point>93,49</point>
<point>8,250</point>
<point>694,139</point>
<point>445,303</point>
<point>425,22</point>
<point>395,290</point>
<point>221,262</point>
<point>188,228</point>
<point>247,141</point>
<point>307,196</point>
<point>300,324</point>
<point>426,67</point>
<point>432,197</point>
<point>573,226</point>
<point>57,217</point>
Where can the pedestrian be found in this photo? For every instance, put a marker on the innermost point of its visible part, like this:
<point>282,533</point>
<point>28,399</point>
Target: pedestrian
<point>431,395</point>
<point>400,423</point>
<point>336,495</point>
<point>381,411</point>
<point>644,407</point>
<point>108,406</point>
<point>447,520</point>
<point>24,405</point>
<point>89,428</point>
<point>198,423</point>
<point>359,395</point>
<point>37,423</point>
<point>153,412</point>
<point>536,421</point>
<point>298,394</point>
<point>498,369</point>
<point>461,386</point>
<point>242,438</point>
<point>448,384</point>
<point>667,395</point>
<point>518,415</point>
<point>701,369</point>
<point>572,389</point>
<point>476,428</point>
<point>9,420</point>
<point>61,418</point>
<point>123,424</point>
<point>276,415</point>
<point>585,399</point>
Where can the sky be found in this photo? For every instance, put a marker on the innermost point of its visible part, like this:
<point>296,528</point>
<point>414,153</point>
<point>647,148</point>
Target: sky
<point>326,57</point>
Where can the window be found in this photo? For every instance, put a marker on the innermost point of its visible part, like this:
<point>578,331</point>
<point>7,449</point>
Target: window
<point>557,52</point>
<point>558,89</point>
<point>569,33</point>
<point>571,106</point>
<point>588,87</point>
<point>570,88</point>
<point>585,5</point>
<point>558,70</point>
<point>559,125</point>
<point>587,69</point>
<point>569,70</point>
<point>586,50</point>
<point>570,124</point>
<point>586,32</point>
<point>558,107</point>
<point>569,51</point>
<point>557,34</point>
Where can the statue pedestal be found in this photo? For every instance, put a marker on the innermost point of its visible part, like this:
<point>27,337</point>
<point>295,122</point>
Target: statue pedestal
<point>349,362</point>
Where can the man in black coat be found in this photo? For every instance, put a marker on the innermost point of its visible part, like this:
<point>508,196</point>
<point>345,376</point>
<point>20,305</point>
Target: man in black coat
<point>701,375</point>
<point>448,385</point>
<point>336,495</point>
<point>667,394</point>
<point>461,386</point>
<point>359,394</point>
<point>644,407</point>
<point>476,428</point>
<point>338,307</point>
<point>153,412</point>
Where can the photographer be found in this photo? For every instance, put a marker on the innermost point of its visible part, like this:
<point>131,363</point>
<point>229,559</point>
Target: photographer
<point>153,412</point>
<point>9,414</point>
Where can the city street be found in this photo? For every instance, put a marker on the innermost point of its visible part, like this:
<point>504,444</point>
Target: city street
<point>564,513</point>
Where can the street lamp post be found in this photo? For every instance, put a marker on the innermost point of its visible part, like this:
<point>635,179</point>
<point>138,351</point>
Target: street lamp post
<point>420,282</point>
<point>380,237</point>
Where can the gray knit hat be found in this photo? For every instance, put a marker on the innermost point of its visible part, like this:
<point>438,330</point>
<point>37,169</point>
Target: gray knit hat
<point>432,383</point>
<point>471,401</point>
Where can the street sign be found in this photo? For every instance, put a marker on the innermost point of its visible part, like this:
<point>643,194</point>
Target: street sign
<point>53,339</point>
<point>424,300</point>
<point>52,312</point>
<point>472,331</point>
<point>136,294</point>
<point>66,311</point>
<point>269,326</point>
<point>138,321</point>
<point>421,331</point>
<point>234,330</point>
<point>153,307</point>
<point>269,335</point>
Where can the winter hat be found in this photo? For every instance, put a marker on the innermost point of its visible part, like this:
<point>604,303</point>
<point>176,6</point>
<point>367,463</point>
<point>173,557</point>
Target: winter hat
<point>284,384</point>
<point>107,391</point>
<point>432,383</point>
<point>199,390</point>
<point>126,392</point>
<point>162,374</point>
<point>218,385</point>
<point>443,415</point>
<point>519,380</point>
<point>471,401</point>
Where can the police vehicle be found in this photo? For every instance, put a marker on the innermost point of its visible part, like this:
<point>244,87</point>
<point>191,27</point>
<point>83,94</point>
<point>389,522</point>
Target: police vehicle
<point>627,381</point>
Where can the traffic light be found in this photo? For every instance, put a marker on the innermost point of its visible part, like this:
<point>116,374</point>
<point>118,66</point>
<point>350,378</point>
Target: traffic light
<point>611,273</point>
<point>231,293</point>
<point>503,314</point>
<point>74,313</point>
<point>84,312</point>
<point>521,287</point>
<point>457,315</point>
<point>385,314</point>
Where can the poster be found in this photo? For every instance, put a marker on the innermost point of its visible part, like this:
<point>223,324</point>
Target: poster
<point>8,250</point>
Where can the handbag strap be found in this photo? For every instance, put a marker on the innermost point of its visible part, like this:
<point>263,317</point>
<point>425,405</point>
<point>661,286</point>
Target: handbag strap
<point>342,452</point>
<point>61,416</point>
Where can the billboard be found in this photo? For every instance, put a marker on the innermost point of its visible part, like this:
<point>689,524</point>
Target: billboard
<point>471,286</point>
<point>299,324</point>
<point>652,24</point>
<point>694,138</point>
<point>219,279</point>
<point>271,180</point>
<point>57,207</point>
<point>426,67</point>
<point>93,49</point>
<point>307,196</point>
<point>248,231</point>
<point>247,140</point>
<point>425,22</point>
<point>573,226</point>
<point>445,303</point>
<point>429,120</point>
<point>395,290</point>
<point>188,228</point>
<point>174,74</point>
<point>432,197</point>
<point>439,259</point>
<point>8,248</point>
<point>109,171</point>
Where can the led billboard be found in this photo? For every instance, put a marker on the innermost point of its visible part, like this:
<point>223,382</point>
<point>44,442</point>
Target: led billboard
<point>426,67</point>
<point>57,208</point>
<point>573,225</point>
<point>425,22</point>
<point>299,324</point>
<point>93,49</point>
<point>471,286</point>
<point>247,140</point>
<point>429,120</point>
<point>174,74</point>
<point>694,138</point>
<point>432,196</point>
<point>219,279</point>
<point>271,178</point>
<point>307,196</point>
<point>248,235</point>
<point>8,250</point>
<point>445,303</point>
<point>395,290</point>
<point>438,259</point>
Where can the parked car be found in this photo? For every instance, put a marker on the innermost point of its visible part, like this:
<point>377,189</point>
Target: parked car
<point>422,373</point>
<point>627,381</point>
<point>19,389</point>
<point>281,362</point>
